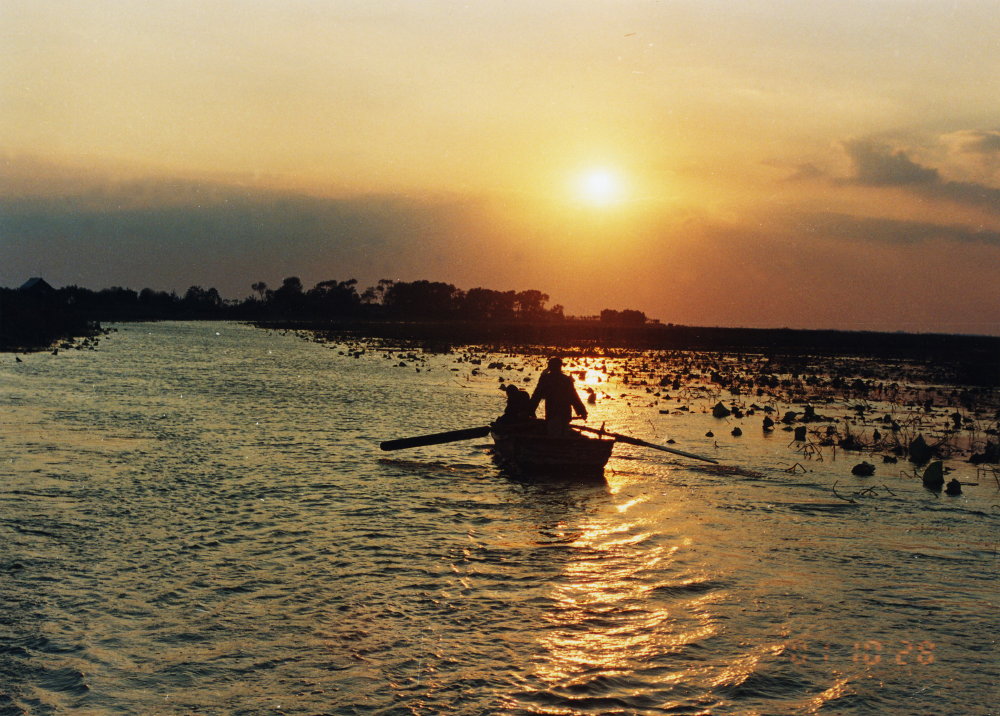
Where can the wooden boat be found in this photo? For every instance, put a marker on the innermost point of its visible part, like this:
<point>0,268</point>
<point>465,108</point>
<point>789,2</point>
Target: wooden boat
<point>526,449</point>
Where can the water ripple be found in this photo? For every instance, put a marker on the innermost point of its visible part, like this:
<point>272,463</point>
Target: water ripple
<point>196,519</point>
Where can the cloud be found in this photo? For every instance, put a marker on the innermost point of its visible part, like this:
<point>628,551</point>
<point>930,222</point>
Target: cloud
<point>878,165</point>
<point>890,231</point>
<point>977,141</point>
<point>173,234</point>
<point>805,172</point>
<point>973,155</point>
<point>970,193</point>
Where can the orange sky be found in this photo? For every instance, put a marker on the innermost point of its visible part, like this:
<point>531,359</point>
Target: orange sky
<point>820,164</point>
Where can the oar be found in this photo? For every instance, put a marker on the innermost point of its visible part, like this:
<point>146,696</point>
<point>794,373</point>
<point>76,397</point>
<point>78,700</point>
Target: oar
<point>436,438</point>
<point>642,443</point>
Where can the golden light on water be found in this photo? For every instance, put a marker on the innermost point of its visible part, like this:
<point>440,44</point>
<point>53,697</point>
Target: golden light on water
<point>593,376</point>
<point>626,505</point>
<point>590,373</point>
<point>594,631</point>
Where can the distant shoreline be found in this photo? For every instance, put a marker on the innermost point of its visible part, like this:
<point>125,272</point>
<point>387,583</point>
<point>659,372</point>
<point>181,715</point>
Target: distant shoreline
<point>976,357</point>
<point>653,336</point>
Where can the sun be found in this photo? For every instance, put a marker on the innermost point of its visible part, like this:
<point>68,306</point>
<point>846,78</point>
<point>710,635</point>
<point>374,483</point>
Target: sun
<point>600,187</point>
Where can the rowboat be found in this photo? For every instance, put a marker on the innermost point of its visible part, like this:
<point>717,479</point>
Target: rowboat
<point>526,449</point>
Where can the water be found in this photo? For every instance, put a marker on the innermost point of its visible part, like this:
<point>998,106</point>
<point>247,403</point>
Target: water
<point>196,518</point>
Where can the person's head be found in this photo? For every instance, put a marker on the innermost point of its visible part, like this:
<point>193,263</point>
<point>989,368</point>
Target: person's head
<point>511,389</point>
<point>555,363</point>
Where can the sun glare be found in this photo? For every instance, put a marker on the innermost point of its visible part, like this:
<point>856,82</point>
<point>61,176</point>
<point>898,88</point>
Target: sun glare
<point>600,187</point>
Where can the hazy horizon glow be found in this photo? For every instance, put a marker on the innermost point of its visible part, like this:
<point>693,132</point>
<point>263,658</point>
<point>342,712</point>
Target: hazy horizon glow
<point>813,165</point>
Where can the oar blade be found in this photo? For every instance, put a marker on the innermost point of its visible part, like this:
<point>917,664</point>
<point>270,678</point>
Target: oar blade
<point>642,443</point>
<point>436,438</point>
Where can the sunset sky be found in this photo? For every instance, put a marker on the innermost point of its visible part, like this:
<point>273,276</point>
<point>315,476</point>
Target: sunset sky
<point>820,164</point>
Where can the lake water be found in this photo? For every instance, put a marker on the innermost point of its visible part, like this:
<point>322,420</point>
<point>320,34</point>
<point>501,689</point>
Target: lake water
<point>196,519</point>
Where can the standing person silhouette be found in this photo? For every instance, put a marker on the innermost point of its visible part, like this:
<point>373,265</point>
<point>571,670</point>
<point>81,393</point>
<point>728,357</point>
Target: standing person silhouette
<point>560,396</point>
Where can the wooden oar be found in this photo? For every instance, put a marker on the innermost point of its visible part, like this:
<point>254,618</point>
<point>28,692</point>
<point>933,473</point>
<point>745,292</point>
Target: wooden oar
<point>436,438</point>
<point>642,443</point>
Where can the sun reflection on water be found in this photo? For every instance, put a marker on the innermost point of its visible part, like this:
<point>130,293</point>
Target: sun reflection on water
<point>593,377</point>
<point>623,607</point>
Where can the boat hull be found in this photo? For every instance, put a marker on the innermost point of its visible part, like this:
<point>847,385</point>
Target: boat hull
<point>534,453</point>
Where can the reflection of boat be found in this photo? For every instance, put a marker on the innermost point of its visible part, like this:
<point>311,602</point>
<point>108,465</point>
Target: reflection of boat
<point>525,448</point>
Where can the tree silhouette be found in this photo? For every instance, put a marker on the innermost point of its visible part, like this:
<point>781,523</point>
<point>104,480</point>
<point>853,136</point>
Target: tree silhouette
<point>623,318</point>
<point>289,298</point>
<point>375,295</point>
<point>531,304</point>
<point>200,299</point>
<point>423,299</point>
<point>334,298</point>
<point>487,304</point>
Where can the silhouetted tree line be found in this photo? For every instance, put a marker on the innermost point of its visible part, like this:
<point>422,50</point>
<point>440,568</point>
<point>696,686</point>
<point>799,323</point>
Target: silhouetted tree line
<point>37,316</point>
<point>398,301</point>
